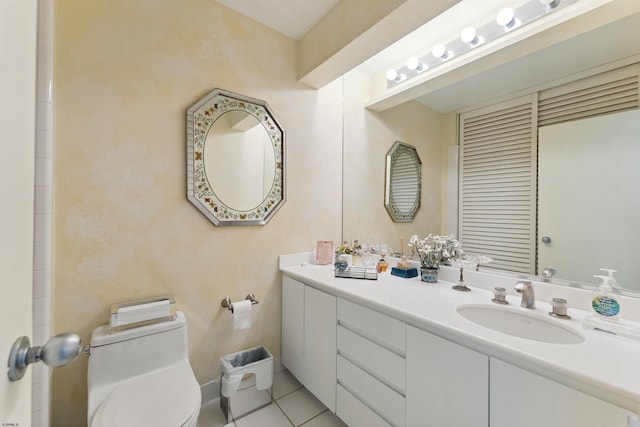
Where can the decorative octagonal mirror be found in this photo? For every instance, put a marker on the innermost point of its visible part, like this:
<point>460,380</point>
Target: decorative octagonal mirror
<point>403,182</point>
<point>235,159</point>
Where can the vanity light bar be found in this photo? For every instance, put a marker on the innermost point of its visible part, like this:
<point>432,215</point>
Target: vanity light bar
<point>506,20</point>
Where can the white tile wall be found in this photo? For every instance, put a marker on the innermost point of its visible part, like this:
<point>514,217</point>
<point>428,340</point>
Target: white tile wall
<point>42,316</point>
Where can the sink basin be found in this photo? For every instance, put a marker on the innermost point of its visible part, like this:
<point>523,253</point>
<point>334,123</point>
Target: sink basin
<point>521,324</point>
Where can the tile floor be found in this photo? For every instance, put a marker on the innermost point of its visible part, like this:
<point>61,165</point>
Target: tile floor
<point>292,405</point>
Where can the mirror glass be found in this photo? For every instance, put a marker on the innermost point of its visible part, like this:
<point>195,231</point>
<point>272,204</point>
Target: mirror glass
<point>402,182</point>
<point>587,198</point>
<point>239,160</point>
<point>235,159</point>
<point>578,54</point>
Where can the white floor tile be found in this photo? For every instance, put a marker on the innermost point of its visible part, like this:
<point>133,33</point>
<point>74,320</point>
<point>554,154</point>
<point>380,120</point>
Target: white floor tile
<point>211,415</point>
<point>325,419</point>
<point>284,383</point>
<point>270,416</point>
<point>300,406</point>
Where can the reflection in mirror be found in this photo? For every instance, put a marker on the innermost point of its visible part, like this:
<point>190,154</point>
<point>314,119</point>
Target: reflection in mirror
<point>602,45</point>
<point>585,173</point>
<point>235,159</point>
<point>239,160</point>
<point>588,204</point>
<point>403,182</point>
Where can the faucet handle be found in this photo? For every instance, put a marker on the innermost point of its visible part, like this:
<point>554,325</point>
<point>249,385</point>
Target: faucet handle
<point>499,295</point>
<point>559,308</point>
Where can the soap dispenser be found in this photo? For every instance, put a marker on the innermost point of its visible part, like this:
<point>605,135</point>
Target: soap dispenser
<point>611,280</point>
<point>604,303</point>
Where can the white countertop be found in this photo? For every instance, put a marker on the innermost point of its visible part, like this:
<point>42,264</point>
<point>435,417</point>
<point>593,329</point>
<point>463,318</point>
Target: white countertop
<point>604,365</point>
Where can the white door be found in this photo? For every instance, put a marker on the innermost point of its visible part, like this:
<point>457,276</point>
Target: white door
<point>590,225</point>
<point>320,345</point>
<point>524,399</point>
<point>293,327</point>
<point>18,23</point>
<point>443,374</point>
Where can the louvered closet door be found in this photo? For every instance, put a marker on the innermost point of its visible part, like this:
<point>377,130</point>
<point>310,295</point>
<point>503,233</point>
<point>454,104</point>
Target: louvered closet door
<point>611,92</point>
<point>497,199</point>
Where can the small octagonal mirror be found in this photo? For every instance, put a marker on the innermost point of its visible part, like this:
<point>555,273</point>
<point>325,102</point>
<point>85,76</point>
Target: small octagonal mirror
<point>402,182</point>
<point>235,159</point>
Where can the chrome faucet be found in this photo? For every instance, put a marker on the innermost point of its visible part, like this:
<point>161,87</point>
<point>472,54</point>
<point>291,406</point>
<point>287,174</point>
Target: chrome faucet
<point>528,295</point>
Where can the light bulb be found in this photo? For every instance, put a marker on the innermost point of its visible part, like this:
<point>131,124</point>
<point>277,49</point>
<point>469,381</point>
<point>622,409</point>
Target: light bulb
<point>469,35</point>
<point>394,76</point>
<point>415,65</point>
<point>506,19</point>
<point>550,4</point>
<point>439,51</point>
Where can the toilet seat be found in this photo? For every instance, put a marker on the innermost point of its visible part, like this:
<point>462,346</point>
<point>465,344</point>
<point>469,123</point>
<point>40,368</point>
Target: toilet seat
<point>168,397</point>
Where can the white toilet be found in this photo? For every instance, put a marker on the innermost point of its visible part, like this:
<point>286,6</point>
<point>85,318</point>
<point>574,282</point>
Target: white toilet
<point>142,377</point>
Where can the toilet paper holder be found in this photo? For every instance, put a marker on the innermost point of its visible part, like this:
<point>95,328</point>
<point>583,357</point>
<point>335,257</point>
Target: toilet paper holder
<point>226,302</point>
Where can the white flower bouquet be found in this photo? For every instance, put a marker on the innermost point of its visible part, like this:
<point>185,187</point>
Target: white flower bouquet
<point>434,250</point>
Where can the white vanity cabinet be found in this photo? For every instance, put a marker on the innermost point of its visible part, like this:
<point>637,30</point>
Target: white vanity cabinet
<point>371,370</point>
<point>447,384</point>
<point>524,399</point>
<point>309,338</point>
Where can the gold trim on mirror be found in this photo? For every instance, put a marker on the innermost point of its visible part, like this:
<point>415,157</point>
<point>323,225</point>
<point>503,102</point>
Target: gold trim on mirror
<point>403,182</point>
<point>217,169</point>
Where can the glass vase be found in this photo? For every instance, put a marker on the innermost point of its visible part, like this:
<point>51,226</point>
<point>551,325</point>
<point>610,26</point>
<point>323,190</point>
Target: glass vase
<point>429,274</point>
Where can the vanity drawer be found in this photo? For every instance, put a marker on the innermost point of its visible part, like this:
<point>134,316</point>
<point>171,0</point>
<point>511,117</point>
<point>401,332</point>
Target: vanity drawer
<point>379,362</point>
<point>387,403</point>
<point>355,413</point>
<point>379,328</point>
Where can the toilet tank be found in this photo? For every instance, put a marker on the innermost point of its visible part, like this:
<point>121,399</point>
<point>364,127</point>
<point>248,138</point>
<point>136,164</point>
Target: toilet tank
<point>116,356</point>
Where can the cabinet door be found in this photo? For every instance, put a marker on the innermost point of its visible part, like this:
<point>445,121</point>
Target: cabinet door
<point>520,398</point>
<point>320,345</point>
<point>447,384</point>
<point>293,327</point>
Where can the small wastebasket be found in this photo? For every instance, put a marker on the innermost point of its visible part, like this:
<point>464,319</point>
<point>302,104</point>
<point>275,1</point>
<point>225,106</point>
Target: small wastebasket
<point>245,383</point>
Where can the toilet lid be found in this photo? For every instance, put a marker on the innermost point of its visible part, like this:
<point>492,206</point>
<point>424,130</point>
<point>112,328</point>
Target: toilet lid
<point>169,397</point>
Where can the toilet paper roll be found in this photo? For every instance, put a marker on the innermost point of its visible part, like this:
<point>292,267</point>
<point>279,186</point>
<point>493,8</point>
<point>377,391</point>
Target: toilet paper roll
<point>241,315</point>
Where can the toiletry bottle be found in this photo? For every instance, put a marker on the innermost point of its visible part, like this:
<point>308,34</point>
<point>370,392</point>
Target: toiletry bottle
<point>604,303</point>
<point>612,280</point>
<point>382,265</point>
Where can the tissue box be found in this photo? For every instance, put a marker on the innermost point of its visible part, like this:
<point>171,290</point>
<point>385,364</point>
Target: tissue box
<point>406,273</point>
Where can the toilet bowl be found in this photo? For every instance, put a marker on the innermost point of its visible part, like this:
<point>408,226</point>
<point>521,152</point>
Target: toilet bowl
<point>142,377</point>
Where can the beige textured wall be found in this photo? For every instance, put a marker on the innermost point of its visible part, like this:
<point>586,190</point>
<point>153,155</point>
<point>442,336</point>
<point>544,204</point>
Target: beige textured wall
<point>449,137</point>
<point>125,73</point>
